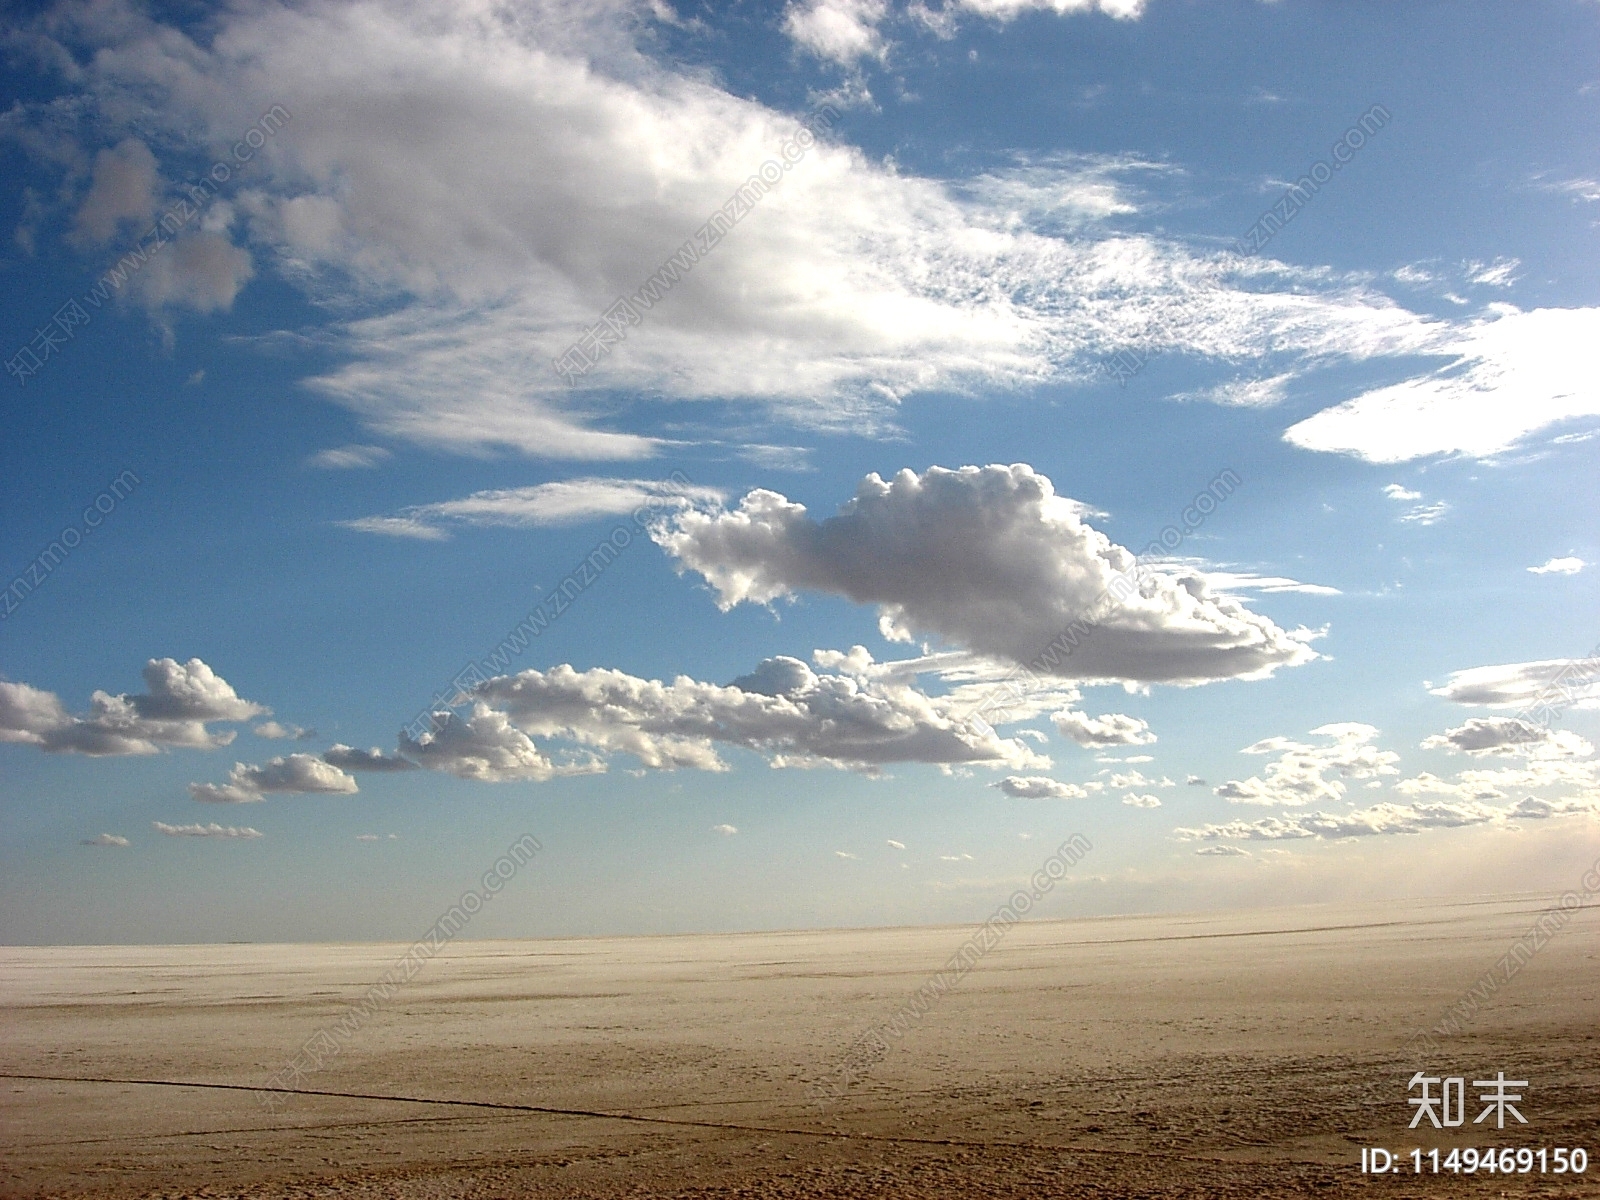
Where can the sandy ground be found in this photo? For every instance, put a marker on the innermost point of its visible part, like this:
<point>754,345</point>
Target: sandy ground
<point>1215,1055</point>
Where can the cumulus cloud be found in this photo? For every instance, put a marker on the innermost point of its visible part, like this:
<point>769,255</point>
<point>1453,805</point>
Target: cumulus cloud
<point>1038,787</point>
<point>1560,682</point>
<point>783,710</point>
<point>124,189</point>
<point>560,503</point>
<point>1299,776</point>
<point>347,758</point>
<point>896,845</point>
<point>725,830</point>
<point>1108,729</point>
<point>1397,492</point>
<point>105,839</point>
<point>181,698</point>
<point>441,173</point>
<point>1223,852</point>
<point>991,559</point>
<point>1512,375</point>
<point>484,746</point>
<point>1142,801</point>
<point>841,30</point>
<point>1570,565</point>
<point>1507,735</point>
<point>212,830</point>
<point>295,774</point>
<point>1364,822</point>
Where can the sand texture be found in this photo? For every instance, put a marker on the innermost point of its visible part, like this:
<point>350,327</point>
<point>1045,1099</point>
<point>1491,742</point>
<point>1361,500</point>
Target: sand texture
<point>1213,1055</point>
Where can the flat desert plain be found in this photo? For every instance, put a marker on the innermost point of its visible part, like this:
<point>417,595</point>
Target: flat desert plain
<point>1244,1054</point>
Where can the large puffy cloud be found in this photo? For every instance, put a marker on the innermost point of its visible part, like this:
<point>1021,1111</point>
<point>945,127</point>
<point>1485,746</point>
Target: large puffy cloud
<point>783,709</point>
<point>1510,375</point>
<point>993,560</point>
<point>1364,822</point>
<point>181,698</point>
<point>1299,775</point>
<point>294,774</point>
<point>491,179</point>
<point>1508,735</point>
<point>1557,682</point>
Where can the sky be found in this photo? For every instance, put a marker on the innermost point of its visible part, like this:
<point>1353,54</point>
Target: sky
<point>799,462</point>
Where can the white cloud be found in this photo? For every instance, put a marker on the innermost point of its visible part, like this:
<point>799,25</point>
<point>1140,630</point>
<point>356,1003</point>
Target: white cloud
<point>1142,801</point>
<point>1426,514</point>
<point>1512,375</point>
<point>181,699</point>
<point>1038,787</point>
<point>1245,393</point>
<point>1364,822</point>
<point>1396,492</point>
<point>896,845</point>
<point>486,747</point>
<point>347,758</point>
<point>1507,735</point>
<point>1026,567</point>
<point>1500,273</point>
<point>1108,729</point>
<point>212,830</point>
<point>295,774</point>
<point>725,830</point>
<point>560,503</point>
<point>123,191</point>
<point>1246,581</point>
<point>105,839</point>
<point>1558,682</point>
<point>1559,566</point>
<point>1137,779</point>
<point>443,172</point>
<point>844,854</point>
<point>273,730</point>
<point>1299,775</point>
<point>841,30</point>
<point>1223,852</point>
<point>347,458</point>
<point>782,709</point>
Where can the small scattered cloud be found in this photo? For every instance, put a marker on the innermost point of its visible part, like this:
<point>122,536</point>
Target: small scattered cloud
<point>1142,801</point>
<point>1039,787</point>
<point>1570,565</point>
<point>1508,735</point>
<point>212,830</point>
<point>844,854</point>
<point>724,830</point>
<point>955,858</point>
<point>897,845</point>
<point>1223,852</point>
<point>1299,775</point>
<point>1567,682</point>
<point>562,503</point>
<point>348,458</point>
<point>1108,729</point>
<point>1195,781</point>
<point>1397,491</point>
<point>273,730</point>
<point>105,839</point>
<point>347,758</point>
<point>294,774</point>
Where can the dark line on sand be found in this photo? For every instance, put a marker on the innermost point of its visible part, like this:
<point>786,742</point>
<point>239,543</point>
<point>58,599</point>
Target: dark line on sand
<point>680,1122</point>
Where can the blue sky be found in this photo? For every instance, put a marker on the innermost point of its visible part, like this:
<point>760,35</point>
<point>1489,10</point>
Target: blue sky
<point>286,287</point>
